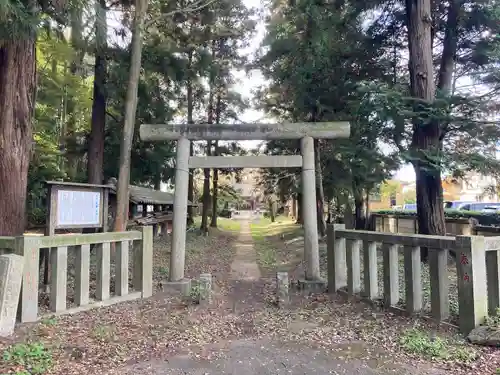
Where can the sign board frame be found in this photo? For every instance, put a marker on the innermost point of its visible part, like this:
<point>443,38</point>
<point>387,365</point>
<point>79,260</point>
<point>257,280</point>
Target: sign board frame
<point>54,187</point>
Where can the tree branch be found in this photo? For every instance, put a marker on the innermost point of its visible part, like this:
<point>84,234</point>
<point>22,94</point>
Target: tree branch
<point>193,8</point>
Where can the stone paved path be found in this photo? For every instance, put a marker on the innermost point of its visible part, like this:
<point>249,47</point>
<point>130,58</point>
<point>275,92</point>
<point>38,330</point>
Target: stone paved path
<point>263,357</point>
<point>252,357</point>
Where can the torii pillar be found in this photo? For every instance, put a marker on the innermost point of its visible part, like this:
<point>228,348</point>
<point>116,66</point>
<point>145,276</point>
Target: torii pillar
<point>184,133</point>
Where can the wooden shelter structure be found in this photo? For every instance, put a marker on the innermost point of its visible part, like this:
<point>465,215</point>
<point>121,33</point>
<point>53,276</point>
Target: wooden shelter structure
<point>147,207</point>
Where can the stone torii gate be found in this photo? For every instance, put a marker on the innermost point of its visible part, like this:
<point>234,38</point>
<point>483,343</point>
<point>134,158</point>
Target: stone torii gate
<point>184,133</point>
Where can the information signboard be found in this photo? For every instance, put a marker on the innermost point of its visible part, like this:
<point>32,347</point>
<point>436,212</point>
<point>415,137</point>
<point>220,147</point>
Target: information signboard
<point>78,208</point>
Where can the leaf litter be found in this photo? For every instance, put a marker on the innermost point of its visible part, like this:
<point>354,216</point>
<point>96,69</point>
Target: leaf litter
<point>101,340</point>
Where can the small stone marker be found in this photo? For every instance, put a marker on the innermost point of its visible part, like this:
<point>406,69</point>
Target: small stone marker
<point>205,288</point>
<point>282,295</point>
<point>11,275</point>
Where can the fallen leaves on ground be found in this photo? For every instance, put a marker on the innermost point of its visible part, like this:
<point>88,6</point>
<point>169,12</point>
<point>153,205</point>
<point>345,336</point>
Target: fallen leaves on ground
<point>104,340</point>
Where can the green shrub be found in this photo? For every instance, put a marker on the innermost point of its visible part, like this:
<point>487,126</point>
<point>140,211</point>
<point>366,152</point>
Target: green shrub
<point>37,216</point>
<point>418,342</point>
<point>484,218</point>
<point>29,359</point>
<point>225,213</point>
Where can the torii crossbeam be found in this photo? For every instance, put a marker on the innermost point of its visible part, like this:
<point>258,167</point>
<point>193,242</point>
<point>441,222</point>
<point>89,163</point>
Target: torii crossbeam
<point>184,133</point>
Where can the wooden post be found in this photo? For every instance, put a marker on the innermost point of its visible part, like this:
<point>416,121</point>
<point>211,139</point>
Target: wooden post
<point>50,230</point>
<point>105,210</point>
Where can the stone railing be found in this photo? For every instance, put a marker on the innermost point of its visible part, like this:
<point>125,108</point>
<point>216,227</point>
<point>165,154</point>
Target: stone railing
<point>477,268</point>
<point>140,242</point>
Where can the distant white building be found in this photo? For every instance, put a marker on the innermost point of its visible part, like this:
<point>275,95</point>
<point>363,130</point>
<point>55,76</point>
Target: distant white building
<point>476,187</point>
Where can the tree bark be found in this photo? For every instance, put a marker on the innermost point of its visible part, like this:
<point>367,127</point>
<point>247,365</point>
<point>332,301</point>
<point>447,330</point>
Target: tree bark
<point>449,56</point>
<point>206,171</point>
<point>215,188</point>
<point>122,194</point>
<point>368,223</point>
<point>272,213</point>
<point>215,182</point>
<point>71,105</point>
<point>349,219</point>
<point>158,181</point>
<point>95,155</point>
<point>329,219</point>
<point>191,145</point>
<point>299,209</point>
<point>320,194</point>
<point>360,217</point>
<point>206,193</point>
<point>426,137</point>
<point>17,101</point>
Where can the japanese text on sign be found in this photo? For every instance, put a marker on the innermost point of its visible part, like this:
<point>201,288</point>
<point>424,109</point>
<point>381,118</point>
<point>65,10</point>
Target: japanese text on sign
<point>78,207</point>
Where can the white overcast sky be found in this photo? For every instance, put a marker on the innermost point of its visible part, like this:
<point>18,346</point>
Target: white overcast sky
<point>247,82</point>
<point>254,79</point>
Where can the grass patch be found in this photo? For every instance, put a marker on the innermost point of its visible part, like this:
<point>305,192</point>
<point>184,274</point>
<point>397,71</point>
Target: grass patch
<point>418,342</point>
<point>226,224</point>
<point>50,321</point>
<point>283,227</point>
<point>103,332</point>
<point>223,223</point>
<point>28,359</point>
<point>493,321</point>
<point>270,241</point>
<point>266,255</point>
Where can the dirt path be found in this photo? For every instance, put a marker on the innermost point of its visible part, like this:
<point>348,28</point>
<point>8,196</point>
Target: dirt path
<point>241,332</point>
<point>265,351</point>
<point>244,266</point>
<point>246,287</point>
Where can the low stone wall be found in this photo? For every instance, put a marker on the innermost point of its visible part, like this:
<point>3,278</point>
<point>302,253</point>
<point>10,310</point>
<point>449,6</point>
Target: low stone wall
<point>408,225</point>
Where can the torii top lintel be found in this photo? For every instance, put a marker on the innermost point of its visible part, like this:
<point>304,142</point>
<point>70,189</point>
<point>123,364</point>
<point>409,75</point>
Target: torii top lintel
<point>240,132</point>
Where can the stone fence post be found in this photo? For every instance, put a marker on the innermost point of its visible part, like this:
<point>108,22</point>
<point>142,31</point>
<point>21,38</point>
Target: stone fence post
<point>282,293</point>
<point>471,280</point>
<point>205,288</point>
<point>142,274</point>
<point>336,259</point>
<point>11,276</point>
